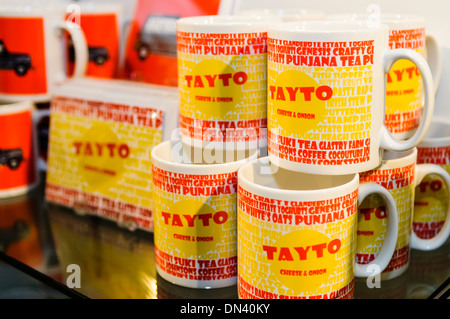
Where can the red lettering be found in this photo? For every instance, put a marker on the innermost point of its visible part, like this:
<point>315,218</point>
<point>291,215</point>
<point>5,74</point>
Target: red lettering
<point>285,252</point>
<point>238,78</point>
<point>175,219</point>
<point>322,93</point>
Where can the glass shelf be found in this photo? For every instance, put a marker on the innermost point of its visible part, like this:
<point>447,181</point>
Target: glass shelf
<point>116,263</point>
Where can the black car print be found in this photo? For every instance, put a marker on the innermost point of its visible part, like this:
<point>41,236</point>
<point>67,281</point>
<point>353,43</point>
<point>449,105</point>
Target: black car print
<point>12,158</point>
<point>19,62</point>
<point>99,55</point>
<point>158,36</point>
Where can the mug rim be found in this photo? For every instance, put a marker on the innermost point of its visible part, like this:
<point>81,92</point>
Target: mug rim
<point>295,11</point>
<point>385,18</point>
<point>431,141</point>
<point>399,157</point>
<point>326,26</point>
<point>15,107</point>
<point>299,195</point>
<point>288,9</point>
<point>31,9</point>
<point>96,7</point>
<point>197,169</point>
<point>225,23</point>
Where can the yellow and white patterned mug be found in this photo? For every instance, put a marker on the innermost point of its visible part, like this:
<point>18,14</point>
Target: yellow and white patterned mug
<point>297,233</point>
<point>404,91</point>
<point>222,80</point>
<point>432,194</point>
<point>326,94</point>
<point>195,219</point>
<point>400,175</point>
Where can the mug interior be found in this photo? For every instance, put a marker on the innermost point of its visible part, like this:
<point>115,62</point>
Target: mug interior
<point>391,155</point>
<point>389,18</point>
<point>336,26</point>
<point>167,155</point>
<point>439,128</point>
<point>265,174</point>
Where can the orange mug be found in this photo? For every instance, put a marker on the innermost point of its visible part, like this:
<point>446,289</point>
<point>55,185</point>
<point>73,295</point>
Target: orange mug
<point>18,148</point>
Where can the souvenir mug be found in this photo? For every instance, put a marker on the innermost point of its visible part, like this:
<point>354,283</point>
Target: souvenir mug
<point>404,91</point>
<point>101,25</point>
<point>326,96</point>
<point>32,59</point>
<point>18,148</point>
<point>297,233</point>
<point>222,80</point>
<point>195,219</point>
<point>432,199</point>
<point>400,175</point>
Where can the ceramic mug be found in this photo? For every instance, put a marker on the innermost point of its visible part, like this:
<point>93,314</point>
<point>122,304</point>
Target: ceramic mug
<point>31,50</point>
<point>222,80</point>
<point>326,95</point>
<point>404,92</point>
<point>195,220</point>
<point>400,175</point>
<point>432,199</point>
<point>101,25</point>
<point>19,163</point>
<point>297,233</point>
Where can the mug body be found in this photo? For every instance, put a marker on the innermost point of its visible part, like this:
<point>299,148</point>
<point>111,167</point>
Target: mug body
<point>404,92</point>
<point>18,169</point>
<point>325,96</point>
<point>222,80</point>
<point>32,60</point>
<point>194,220</point>
<point>296,233</point>
<point>101,24</point>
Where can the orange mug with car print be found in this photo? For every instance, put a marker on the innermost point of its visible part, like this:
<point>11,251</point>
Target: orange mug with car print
<point>18,148</point>
<point>31,56</point>
<point>101,25</point>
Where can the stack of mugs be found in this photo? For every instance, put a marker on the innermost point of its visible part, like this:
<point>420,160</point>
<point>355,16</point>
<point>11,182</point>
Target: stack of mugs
<point>31,65</point>
<point>333,198</point>
<point>42,44</point>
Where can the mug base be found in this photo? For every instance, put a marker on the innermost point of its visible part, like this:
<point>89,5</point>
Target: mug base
<point>197,284</point>
<point>35,98</point>
<point>323,169</point>
<point>14,192</point>
<point>394,273</point>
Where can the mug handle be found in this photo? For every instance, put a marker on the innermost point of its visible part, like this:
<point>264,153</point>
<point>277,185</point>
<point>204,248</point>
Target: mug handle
<point>433,57</point>
<point>383,258</point>
<point>80,46</point>
<point>387,141</point>
<point>432,243</point>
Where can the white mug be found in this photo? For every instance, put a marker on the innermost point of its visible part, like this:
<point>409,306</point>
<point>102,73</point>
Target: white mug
<point>297,233</point>
<point>432,198</point>
<point>222,80</point>
<point>326,94</point>
<point>31,50</point>
<point>400,175</point>
<point>19,163</point>
<point>102,26</point>
<point>404,93</point>
<point>195,219</point>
